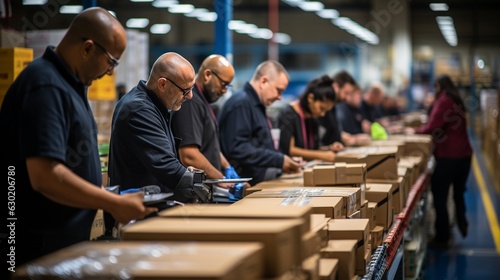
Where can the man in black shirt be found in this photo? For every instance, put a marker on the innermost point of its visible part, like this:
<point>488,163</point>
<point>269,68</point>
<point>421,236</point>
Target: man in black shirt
<point>196,124</point>
<point>350,116</point>
<point>142,148</point>
<point>49,141</point>
<point>370,105</point>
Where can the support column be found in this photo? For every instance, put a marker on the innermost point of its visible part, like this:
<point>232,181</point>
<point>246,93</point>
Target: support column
<point>224,36</point>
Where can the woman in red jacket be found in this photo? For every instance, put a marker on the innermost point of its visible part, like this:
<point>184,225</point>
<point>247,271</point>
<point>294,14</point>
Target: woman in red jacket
<point>453,152</point>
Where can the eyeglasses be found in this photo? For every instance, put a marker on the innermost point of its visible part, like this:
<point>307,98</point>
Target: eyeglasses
<point>184,91</point>
<point>224,83</point>
<point>114,61</point>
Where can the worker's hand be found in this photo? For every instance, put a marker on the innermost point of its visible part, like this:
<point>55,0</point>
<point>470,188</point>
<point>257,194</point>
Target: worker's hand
<point>409,130</point>
<point>336,147</point>
<point>225,185</point>
<point>130,207</point>
<point>231,173</point>
<point>362,139</point>
<point>289,165</point>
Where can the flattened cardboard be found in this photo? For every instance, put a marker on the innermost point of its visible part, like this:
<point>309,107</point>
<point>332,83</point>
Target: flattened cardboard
<point>381,162</point>
<point>281,238</point>
<point>240,211</point>
<point>155,260</point>
<point>344,251</point>
<point>332,206</point>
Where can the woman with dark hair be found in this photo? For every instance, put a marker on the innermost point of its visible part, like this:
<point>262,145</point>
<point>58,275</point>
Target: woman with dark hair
<point>453,153</point>
<point>298,122</point>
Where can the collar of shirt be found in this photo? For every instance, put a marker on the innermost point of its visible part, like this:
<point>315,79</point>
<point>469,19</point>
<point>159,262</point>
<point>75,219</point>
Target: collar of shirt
<point>63,68</point>
<point>254,97</point>
<point>156,101</point>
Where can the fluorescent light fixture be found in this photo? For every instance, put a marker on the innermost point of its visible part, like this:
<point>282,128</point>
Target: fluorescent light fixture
<point>236,24</point>
<point>282,38</point>
<point>164,3</point>
<point>141,0</point>
<point>34,2</point>
<point>160,28</point>
<point>197,12</point>
<point>328,13</point>
<point>311,6</point>
<point>181,9</point>
<point>357,30</point>
<point>247,29</point>
<point>262,33</point>
<point>447,28</point>
<point>293,2</point>
<point>438,7</point>
<point>137,22</point>
<point>480,63</point>
<point>71,9</point>
<point>208,17</point>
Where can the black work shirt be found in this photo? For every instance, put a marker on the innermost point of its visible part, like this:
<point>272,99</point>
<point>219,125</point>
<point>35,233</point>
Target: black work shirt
<point>195,124</point>
<point>245,135</point>
<point>45,113</point>
<point>290,125</point>
<point>350,118</point>
<point>142,148</point>
<point>371,113</point>
<point>332,127</point>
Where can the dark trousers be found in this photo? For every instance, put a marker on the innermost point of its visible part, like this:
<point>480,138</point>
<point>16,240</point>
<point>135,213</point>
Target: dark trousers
<point>449,172</point>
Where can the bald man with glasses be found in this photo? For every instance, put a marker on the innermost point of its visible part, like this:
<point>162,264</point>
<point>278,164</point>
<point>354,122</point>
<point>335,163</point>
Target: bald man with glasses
<point>143,149</point>
<point>196,123</point>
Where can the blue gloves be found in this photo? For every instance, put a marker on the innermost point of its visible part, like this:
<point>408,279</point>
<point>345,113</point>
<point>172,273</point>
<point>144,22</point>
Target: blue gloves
<point>231,173</point>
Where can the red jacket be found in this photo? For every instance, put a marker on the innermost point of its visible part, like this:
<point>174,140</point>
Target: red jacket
<point>448,128</point>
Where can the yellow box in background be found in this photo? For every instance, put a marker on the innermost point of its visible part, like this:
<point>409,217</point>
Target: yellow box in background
<point>12,62</point>
<point>103,88</point>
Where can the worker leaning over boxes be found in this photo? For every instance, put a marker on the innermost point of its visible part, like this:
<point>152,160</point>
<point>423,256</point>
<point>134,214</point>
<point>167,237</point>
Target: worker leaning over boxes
<point>49,143</point>
<point>142,146</point>
<point>245,130</point>
<point>196,124</point>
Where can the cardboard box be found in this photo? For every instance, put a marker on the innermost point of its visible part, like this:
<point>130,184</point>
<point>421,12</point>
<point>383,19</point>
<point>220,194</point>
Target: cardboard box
<point>390,143</point>
<point>372,214</point>
<point>308,177</point>
<point>103,88</point>
<point>344,251</point>
<point>356,229</point>
<point>364,210</point>
<point>377,235</point>
<point>382,195</point>
<point>381,162</point>
<point>397,193</point>
<point>310,267</point>
<point>355,215</point>
<point>146,260</point>
<point>12,62</point>
<point>319,225</point>
<point>240,211</point>
<point>351,196</point>
<point>332,207</point>
<point>404,173</point>
<point>328,269</point>
<point>281,238</point>
<point>415,145</point>
<point>338,173</point>
<point>296,181</point>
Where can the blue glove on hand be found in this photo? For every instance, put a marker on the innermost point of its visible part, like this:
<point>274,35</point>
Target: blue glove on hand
<point>231,173</point>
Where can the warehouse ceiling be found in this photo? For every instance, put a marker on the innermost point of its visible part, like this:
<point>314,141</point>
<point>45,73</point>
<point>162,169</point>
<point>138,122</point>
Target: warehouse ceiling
<point>476,23</point>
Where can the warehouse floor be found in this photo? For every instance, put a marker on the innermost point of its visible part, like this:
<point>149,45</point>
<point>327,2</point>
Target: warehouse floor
<point>478,255</point>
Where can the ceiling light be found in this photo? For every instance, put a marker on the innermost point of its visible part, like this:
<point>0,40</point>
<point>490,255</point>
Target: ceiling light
<point>181,9</point>
<point>112,13</point>
<point>160,28</point>
<point>137,22</point>
<point>282,38</point>
<point>208,17</point>
<point>439,7</point>
<point>164,3</point>
<point>71,9</point>
<point>197,12</point>
<point>34,2</point>
<point>293,2</point>
<point>311,6</point>
<point>480,64</point>
<point>328,13</point>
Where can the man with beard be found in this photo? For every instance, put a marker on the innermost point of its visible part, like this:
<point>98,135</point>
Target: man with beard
<point>196,124</point>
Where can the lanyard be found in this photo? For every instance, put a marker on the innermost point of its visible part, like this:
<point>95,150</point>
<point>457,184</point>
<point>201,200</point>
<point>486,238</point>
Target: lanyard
<point>206,103</point>
<point>307,138</point>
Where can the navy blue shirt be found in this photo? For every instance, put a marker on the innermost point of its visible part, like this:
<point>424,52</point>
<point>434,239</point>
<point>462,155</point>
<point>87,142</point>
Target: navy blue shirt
<point>332,127</point>
<point>45,113</point>
<point>245,135</point>
<point>350,118</point>
<point>195,124</point>
<point>142,148</point>
<point>369,112</point>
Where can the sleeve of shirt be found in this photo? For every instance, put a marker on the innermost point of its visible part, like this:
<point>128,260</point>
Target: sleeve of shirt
<point>237,139</point>
<point>436,119</point>
<point>187,124</point>
<point>149,141</point>
<point>285,124</point>
<point>44,124</point>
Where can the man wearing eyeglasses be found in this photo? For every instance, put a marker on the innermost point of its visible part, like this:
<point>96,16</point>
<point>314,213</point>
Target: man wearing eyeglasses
<point>196,124</point>
<point>142,148</point>
<point>49,142</point>
<point>245,130</point>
